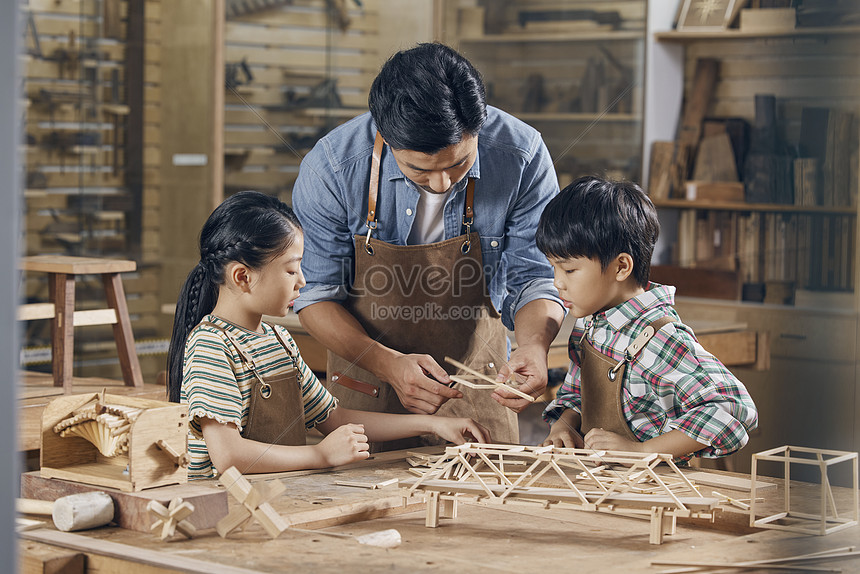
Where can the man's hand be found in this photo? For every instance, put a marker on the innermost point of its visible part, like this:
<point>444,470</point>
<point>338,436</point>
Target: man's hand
<point>528,365</point>
<point>420,383</point>
<point>599,439</point>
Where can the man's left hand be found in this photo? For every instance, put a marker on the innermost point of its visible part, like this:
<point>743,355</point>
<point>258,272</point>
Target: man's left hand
<point>528,366</point>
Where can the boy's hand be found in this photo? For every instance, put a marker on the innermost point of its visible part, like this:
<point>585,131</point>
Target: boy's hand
<point>599,439</point>
<point>563,436</point>
<point>345,444</point>
<point>527,366</point>
<point>460,430</point>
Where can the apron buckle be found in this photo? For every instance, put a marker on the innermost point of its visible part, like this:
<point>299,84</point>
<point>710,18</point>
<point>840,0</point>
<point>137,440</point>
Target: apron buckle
<point>370,227</point>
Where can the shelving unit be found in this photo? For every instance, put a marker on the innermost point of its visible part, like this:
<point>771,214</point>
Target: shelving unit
<point>577,81</point>
<point>809,395</point>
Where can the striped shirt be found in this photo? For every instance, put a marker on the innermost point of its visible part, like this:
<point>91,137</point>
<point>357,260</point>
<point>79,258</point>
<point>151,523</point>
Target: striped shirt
<point>217,385</point>
<point>673,383</point>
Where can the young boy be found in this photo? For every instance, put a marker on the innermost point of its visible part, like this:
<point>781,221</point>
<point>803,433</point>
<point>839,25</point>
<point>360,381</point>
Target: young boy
<point>639,380</point>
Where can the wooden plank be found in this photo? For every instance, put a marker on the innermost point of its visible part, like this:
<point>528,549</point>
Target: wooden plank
<point>75,265</point>
<point>127,553</point>
<point>130,508</point>
<point>726,481</point>
<point>38,558</point>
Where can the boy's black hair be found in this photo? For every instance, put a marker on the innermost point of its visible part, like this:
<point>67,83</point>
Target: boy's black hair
<point>249,227</point>
<point>601,219</point>
<point>425,99</point>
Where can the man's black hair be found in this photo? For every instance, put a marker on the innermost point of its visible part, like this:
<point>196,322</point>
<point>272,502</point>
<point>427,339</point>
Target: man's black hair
<point>600,219</point>
<point>427,98</point>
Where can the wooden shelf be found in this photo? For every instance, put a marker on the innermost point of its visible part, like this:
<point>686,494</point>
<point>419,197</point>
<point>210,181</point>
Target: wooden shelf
<point>738,34</point>
<point>608,35</point>
<point>333,112</point>
<point>739,206</point>
<point>577,117</point>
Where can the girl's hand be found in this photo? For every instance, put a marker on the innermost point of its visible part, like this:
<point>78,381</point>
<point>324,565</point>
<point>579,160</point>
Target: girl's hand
<point>460,431</point>
<point>561,435</point>
<point>344,445</point>
<point>599,439</point>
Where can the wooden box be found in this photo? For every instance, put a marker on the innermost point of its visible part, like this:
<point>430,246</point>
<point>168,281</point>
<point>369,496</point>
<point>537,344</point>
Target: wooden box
<point>145,465</point>
<point>768,19</point>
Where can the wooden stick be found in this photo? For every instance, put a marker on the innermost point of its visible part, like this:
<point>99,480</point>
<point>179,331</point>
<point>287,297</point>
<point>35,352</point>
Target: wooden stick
<point>484,377</point>
<point>741,566</point>
<point>823,555</point>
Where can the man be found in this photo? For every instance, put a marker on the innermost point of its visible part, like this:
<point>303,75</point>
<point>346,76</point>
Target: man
<point>419,223</point>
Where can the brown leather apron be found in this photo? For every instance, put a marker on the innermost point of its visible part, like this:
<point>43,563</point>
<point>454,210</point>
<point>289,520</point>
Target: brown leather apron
<point>276,414</point>
<point>601,380</point>
<point>428,299</point>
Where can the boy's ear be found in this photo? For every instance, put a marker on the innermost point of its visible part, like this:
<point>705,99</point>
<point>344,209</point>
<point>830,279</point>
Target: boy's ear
<point>238,275</point>
<point>623,267</point>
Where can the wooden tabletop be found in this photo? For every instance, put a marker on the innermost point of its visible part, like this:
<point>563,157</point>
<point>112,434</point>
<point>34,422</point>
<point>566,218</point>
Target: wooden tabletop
<point>483,538</point>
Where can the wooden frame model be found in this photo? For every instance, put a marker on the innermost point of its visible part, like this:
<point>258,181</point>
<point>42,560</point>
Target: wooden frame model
<point>714,15</point>
<point>500,474</point>
<point>152,452</point>
<point>820,524</point>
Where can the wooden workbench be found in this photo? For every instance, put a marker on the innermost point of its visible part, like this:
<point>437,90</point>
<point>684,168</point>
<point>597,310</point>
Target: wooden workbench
<point>481,539</point>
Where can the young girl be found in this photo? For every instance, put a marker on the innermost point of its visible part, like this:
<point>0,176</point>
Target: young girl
<point>230,367</point>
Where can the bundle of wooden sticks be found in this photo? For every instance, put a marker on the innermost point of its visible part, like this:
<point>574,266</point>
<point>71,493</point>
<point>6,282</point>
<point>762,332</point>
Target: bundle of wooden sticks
<point>105,426</point>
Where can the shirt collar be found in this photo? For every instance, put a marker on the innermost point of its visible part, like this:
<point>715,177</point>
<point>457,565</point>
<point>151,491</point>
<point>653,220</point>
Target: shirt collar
<point>656,296</point>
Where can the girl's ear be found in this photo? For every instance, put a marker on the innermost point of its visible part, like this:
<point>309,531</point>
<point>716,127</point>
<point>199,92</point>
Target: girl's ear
<point>238,275</point>
<point>623,267</point>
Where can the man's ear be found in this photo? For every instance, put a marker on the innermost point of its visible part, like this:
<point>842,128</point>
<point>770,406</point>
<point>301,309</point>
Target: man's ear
<point>238,275</point>
<point>623,267</point>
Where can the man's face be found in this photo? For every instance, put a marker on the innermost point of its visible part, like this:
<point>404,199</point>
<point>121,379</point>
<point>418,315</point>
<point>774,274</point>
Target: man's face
<point>437,172</point>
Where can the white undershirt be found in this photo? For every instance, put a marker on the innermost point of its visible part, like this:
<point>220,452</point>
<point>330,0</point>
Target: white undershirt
<point>429,224</point>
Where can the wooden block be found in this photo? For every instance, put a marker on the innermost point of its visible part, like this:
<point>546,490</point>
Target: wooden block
<point>659,173</point>
<point>732,349</point>
<point>806,179</point>
<point>768,20</point>
<point>36,558</point>
<point>715,160</point>
<point>697,105</point>
<point>210,504</point>
<point>715,190</point>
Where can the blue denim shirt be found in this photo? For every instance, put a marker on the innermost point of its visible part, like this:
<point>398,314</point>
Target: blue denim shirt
<point>515,179</point>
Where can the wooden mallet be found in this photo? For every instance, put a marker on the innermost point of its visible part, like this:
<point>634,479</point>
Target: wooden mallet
<point>73,512</point>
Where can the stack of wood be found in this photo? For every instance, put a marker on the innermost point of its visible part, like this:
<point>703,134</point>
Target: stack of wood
<point>105,426</point>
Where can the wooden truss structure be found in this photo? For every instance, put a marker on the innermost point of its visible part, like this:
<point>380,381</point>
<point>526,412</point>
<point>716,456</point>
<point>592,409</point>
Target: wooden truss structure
<point>623,483</point>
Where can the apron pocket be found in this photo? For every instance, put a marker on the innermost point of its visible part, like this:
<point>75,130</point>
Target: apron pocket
<point>358,386</point>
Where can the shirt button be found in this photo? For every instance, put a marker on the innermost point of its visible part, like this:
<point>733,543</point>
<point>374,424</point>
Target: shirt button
<point>494,243</point>
<point>408,212</point>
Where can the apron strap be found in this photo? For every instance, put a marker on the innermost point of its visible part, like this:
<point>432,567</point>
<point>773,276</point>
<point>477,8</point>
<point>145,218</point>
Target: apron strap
<point>293,353</point>
<point>639,342</point>
<point>373,189</point>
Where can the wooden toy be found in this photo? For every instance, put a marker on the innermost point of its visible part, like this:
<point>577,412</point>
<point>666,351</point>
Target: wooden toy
<point>620,483</point>
<point>114,441</point>
<point>172,518</point>
<point>254,502</point>
<point>826,521</point>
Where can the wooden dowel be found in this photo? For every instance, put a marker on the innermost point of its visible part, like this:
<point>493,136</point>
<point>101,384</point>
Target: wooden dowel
<point>484,377</point>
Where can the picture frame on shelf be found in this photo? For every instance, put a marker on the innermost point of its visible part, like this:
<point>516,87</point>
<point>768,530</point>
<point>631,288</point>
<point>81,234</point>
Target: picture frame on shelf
<point>706,15</point>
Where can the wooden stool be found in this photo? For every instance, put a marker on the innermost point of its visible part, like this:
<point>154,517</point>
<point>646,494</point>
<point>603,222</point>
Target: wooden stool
<point>61,270</point>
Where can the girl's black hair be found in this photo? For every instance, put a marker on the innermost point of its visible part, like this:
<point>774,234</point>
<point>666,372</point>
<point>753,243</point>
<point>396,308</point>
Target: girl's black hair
<point>427,98</point>
<point>249,227</point>
<point>601,219</point>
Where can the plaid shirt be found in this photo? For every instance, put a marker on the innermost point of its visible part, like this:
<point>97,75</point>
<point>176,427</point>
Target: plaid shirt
<point>673,383</point>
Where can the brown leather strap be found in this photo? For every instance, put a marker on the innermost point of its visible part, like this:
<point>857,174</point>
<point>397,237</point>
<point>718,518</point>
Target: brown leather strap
<point>469,210</point>
<point>292,352</point>
<point>373,189</point>
<point>355,385</point>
